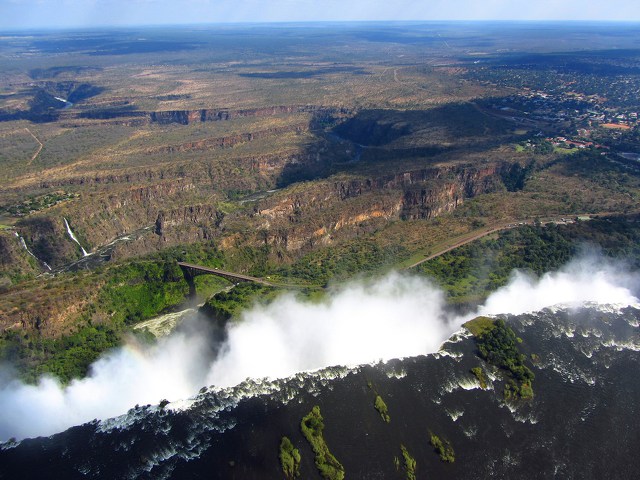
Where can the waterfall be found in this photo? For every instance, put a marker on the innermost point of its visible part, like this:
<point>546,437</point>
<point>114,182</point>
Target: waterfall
<point>24,245</point>
<point>73,237</point>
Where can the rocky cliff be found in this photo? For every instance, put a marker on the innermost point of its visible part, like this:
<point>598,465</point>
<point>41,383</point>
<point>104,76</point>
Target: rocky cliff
<point>186,117</point>
<point>48,239</point>
<point>322,211</point>
<point>179,205</point>
<point>15,261</point>
<point>229,140</point>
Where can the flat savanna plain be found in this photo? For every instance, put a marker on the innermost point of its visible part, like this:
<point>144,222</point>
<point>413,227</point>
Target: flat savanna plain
<point>309,153</point>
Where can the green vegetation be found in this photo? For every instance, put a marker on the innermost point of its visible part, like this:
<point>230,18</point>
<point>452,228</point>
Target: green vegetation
<point>479,374</point>
<point>539,146</point>
<point>142,289</point>
<point>469,273</point>
<point>498,346</point>
<point>139,290</point>
<point>473,270</point>
<point>35,204</point>
<point>289,459</point>
<point>66,358</point>
<point>409,463</point>
<point>343,261</point>
<point>515,176</point>
<point>443,448</point>
<point>479,326</point>
<point>312,426</point>
<point>109,301</point>
<point>381,407</point>
<point>228,304</point>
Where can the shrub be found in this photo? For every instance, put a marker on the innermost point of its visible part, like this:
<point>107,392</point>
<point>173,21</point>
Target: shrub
<point>409,463</point>
<point>381,407</point>
<point>289,459</point>
<point>312,426</point>
<point>479,374</point>
<point>444,449</point>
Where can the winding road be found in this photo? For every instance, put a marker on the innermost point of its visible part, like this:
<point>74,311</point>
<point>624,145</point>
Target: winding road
<point>41,146</point>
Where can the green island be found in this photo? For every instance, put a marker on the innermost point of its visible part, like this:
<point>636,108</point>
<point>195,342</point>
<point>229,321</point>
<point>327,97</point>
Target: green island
<point>409,463</point>
<point>443,448</point>
<point>312,426</point>
<point>498,345</point>
<point>289,459</point>
<point>382,409</point>
<point>479,374</point>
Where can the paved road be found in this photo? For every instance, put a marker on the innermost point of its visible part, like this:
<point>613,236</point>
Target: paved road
<point>461,242</point>
<point>513,224</point>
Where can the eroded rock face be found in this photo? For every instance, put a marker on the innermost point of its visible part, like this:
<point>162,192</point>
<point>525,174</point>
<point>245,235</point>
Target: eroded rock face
<point>185,117</point>
<point>15,260</point>
<point>194,214</point>
<point>228,141</point>
<point>178,205</point>
<point>9,250</point>
<point>328,208</point>
<point>48,239</point>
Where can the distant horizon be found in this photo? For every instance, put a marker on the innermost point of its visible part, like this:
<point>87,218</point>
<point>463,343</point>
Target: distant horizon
<point>20,15</point>
<point>309,22</point>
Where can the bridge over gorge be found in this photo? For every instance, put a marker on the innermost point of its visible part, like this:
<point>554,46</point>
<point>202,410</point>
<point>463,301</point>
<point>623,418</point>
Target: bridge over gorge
<point>191,270</point>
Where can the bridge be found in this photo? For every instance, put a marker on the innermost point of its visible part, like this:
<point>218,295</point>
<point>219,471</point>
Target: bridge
<point>190,270</point>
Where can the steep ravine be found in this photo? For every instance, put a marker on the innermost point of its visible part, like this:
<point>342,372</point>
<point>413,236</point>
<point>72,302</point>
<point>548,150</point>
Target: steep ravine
<point>184,210</point>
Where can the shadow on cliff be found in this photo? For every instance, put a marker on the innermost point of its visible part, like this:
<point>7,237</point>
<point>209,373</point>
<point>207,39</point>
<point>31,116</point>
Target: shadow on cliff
<point>383,139</point>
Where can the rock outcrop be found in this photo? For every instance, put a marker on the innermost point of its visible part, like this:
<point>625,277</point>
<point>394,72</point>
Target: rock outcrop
<point>323,211</point>
<point>48,239</point>
<point>204,215</point>
<point>229,140</point>
<point>185,117</point>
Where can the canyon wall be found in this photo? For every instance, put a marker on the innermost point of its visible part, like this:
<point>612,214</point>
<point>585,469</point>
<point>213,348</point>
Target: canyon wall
<point>334,208</point>
<point>185,117</point>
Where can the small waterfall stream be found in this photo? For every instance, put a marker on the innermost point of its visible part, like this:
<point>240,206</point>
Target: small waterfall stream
<point>73,237</point>
<point>24,245</point>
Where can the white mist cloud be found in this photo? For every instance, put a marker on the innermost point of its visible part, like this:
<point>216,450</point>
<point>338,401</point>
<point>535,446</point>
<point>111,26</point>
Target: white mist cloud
<point>588,279</point>
<point>396,316</point>
<point>130,375</point>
